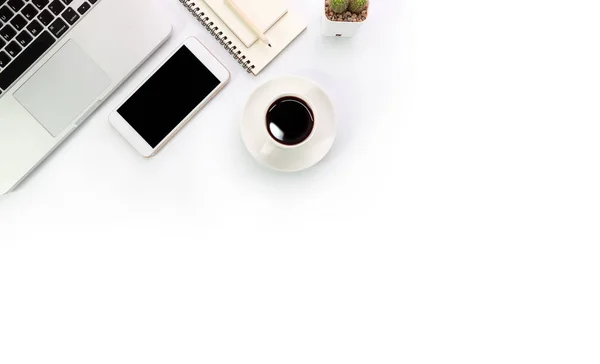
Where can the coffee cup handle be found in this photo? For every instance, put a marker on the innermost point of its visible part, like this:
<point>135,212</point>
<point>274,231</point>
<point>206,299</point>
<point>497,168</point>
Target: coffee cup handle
<point>267,149</point>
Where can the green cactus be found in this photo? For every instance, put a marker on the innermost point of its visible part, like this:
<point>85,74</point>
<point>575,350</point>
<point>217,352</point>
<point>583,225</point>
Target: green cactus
<point>356,6</point>
<point>339,6</point>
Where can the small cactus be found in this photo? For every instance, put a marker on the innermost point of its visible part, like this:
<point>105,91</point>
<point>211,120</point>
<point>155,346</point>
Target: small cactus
<point>339,6</point>
<point>356,6</point>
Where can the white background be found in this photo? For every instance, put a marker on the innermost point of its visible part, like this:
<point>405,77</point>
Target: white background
<point>456,220</point>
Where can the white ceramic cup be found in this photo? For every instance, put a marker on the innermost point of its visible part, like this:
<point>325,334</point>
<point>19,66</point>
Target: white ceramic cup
<point>268,150</point>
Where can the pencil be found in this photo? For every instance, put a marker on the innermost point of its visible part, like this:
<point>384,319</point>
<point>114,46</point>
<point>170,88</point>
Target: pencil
<point>249,22</point>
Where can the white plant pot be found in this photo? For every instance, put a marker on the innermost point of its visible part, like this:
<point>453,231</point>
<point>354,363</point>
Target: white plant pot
<point>340,28</point>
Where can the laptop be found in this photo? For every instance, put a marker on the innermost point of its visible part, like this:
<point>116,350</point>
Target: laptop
<point>59,60</point>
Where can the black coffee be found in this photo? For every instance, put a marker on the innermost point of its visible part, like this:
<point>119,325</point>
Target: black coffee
<point>290,120</point>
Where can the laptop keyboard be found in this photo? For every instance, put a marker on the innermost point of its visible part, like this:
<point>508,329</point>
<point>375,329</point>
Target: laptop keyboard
<point>28,28</point>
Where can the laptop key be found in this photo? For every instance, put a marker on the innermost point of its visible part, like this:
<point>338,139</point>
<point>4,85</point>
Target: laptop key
<point>83,8</point>
<point>13,48</point>
<point>24,38</point>
<point>7,32</point>
<point>45,17</point>
<point>58,28</point>
<point>4,59</point>
<point>16,5</point>
<point>67,1</point>
<point>18,22</point>
<point>35,27</point>
<point>6,13</point>
<point>2,43</point>
<point>56,7</point>
<point>70,16</point>
<point>40,4</point>
<point>28,57</point>
<point>29,11</point>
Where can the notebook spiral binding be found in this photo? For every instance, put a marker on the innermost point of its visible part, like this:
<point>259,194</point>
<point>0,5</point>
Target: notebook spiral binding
<point>214,31</point>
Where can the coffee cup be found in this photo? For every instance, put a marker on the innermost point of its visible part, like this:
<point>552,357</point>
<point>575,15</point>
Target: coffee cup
<point>289,124</point>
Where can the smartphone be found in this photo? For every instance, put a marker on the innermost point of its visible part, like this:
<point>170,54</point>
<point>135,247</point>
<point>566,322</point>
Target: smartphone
<point>169,97</point>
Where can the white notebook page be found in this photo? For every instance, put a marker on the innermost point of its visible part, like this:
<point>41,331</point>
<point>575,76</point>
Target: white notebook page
<point>264,14</point>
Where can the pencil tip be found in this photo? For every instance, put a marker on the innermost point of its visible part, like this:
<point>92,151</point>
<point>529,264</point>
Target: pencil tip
<point>270,45</point>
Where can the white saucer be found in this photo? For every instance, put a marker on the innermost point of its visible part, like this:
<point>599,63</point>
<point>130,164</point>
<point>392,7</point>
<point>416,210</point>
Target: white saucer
<point>275,155</point>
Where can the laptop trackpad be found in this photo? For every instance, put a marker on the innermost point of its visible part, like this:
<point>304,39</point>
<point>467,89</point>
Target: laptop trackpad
<point>63,88</point>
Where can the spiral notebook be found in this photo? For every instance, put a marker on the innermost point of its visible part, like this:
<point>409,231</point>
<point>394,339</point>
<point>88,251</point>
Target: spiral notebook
<point>281,26</point>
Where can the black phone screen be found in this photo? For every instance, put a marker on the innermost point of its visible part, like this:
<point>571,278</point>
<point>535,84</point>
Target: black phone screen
<point>168,96</point>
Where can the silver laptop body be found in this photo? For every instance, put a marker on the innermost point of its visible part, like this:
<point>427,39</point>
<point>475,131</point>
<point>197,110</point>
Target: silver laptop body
<point>57,71</point>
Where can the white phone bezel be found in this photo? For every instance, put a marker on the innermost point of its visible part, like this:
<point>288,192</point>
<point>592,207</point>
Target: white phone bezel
<point>213,65</point>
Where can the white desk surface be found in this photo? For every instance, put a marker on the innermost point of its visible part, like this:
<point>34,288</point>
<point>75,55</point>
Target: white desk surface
<point>456,220</point>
